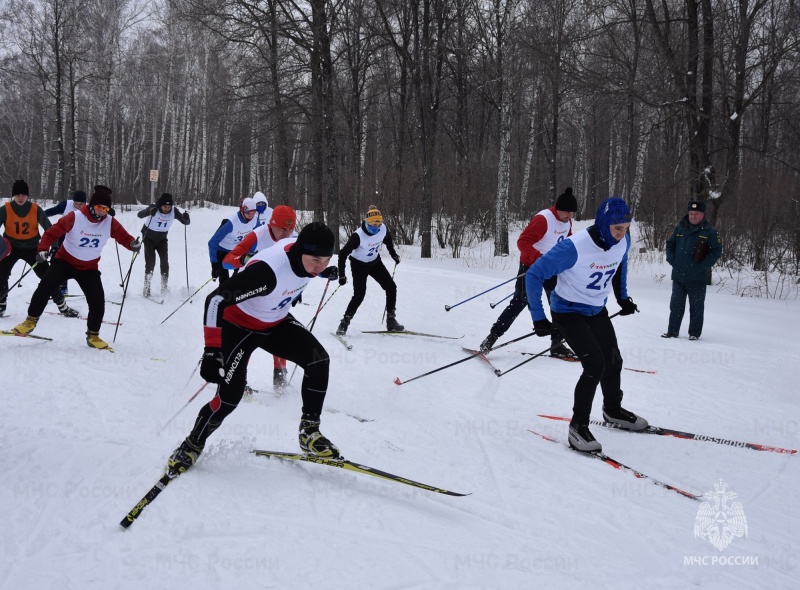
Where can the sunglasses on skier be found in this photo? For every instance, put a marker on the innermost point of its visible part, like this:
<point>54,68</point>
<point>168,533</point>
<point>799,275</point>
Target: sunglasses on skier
<point>102,208</point>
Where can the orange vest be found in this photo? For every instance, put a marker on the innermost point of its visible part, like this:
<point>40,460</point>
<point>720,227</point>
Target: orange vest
<point>22,228</point>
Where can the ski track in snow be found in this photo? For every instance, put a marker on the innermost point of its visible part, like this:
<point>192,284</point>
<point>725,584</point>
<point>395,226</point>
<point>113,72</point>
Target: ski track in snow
<point>80,446</point>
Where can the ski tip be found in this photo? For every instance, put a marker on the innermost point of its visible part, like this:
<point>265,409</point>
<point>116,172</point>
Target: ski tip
<point>549,417</point>
<point>397,381</point>
<point>447,308</point>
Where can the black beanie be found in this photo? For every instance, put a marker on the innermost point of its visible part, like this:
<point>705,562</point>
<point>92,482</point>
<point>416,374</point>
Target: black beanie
<point>165,199</point>
<point>567,202</point>
<point>20,188</point>
<point>79,197</point>
<point>697,205</point>
<point>101,196</point>
<point>315,239</point>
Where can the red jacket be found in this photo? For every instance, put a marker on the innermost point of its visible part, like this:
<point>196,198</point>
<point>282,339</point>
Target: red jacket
<point>531,235</point>
<point>66,223</point>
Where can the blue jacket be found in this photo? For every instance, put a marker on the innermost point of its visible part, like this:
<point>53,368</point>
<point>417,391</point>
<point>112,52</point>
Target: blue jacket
<point>559,258</point>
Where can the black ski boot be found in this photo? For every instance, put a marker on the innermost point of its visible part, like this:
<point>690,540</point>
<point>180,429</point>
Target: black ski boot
<point>312,441</point>
<point>279,382</point>
<point>343,325</point>
<point>391,322</point>
<point>66,310</point>
<point>581,439</point>
<point>184,456</point>
<point>146,289</point>
<point>488,342</point>
<point>624,419</point>
<point>164,284</point>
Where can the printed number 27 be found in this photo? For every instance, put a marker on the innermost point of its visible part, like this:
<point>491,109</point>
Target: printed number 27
<point>598,276</point>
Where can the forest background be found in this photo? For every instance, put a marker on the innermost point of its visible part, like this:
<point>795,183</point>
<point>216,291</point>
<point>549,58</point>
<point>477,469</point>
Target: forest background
<point>458,118</point>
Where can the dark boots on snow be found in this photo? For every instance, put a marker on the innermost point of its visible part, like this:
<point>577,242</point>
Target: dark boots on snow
<point>343,325</point>
<point>391,322</point>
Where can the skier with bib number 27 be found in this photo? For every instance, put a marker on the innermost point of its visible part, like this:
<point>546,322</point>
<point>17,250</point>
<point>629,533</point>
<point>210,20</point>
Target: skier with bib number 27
<point>589,264</point>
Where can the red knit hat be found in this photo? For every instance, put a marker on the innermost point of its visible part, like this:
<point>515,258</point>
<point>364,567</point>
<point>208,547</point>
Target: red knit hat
<point>283,217</point>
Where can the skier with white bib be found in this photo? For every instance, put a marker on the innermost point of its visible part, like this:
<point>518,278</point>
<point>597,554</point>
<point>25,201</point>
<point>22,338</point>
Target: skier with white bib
<point>158,219</point>
<point>251,310</point>
<point>588,265</point>
<point>546,229</point>
<point>364,248</point>
<point>232,231</point>
<point>84,234</point>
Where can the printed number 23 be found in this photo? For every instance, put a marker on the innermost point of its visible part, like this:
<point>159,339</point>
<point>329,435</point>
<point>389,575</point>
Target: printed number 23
<point>89,243</point>
<point>598,276</point>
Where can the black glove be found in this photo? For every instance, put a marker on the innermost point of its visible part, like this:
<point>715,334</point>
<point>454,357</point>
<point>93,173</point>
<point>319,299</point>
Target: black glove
<point>396,258</point>
<point>41,257</point>
<point>186,219</point>
<point>136,245</point>
<point>627,306</point>
<point>298,300</point>
<point>245,258</point>
<point>153,211</point>
<point>343,280</point>
<point>212,367</point>
<point>543,327</point>
<point>331,273</point>
<point>216,268</point>
<point>701,250</point>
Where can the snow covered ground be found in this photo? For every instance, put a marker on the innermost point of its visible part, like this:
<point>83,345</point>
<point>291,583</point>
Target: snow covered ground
<point>80,447</point>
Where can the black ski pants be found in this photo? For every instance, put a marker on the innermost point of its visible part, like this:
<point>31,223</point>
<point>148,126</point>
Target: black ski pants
<point>29,256</point>
<point>288,339</point>
<point>89,282</point>
<point>595,343</point>
<point>377,271</point>
<point>151,247</point>
<point>519,302</point>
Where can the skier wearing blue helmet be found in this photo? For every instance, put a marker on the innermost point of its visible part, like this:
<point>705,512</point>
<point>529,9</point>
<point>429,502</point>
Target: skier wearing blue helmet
<point>589,264</point>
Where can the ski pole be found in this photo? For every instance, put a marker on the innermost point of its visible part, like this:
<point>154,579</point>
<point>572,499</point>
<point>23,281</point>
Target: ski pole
<point>196,393</point>
<point>319,307</point>
<point>18,282</point>
<point>314,319</point>
<point>480,352</point>
<point>186,258</point>
<point>493,305</point>
<point>384,307</point>
<point>500,373</point>
<point>330,297</point>
<point>126,281</point>
<point>188,299</point>
<point>449,307</point>
<point>121,280</point>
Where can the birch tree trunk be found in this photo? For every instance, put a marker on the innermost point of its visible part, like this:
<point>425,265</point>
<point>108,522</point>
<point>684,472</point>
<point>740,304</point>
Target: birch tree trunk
<point>531,139</point>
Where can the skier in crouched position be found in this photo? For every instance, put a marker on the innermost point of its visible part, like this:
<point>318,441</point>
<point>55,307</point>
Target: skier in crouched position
<point>85,233</point>
<point>363,248</point>
<point>588,265</point>
<point>251,310</point>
